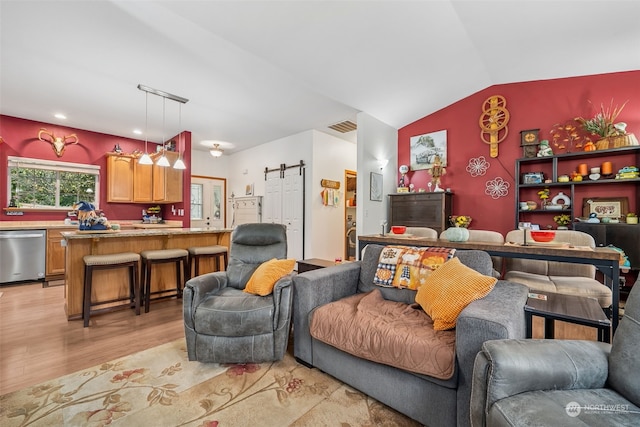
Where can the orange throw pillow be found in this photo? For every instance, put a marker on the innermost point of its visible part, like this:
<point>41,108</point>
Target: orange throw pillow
<point>267,274</point>
<point>449,289</point>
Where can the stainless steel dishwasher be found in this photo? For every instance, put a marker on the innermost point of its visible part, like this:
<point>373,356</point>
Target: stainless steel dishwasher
<point>22,255</point>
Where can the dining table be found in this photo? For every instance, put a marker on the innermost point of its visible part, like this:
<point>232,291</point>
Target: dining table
<point>606,260</point>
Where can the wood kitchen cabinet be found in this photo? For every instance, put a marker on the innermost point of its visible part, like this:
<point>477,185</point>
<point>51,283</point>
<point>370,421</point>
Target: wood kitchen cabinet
<point>421,210</point>
<point>119,178</point>
<point>167,181</point>
<point>130,182</point>
<point>54,267</point>
<point>142,183</point>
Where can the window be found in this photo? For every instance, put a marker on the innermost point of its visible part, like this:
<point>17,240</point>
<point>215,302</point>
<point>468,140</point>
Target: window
<point>44,184</point>
<point>196,201</point>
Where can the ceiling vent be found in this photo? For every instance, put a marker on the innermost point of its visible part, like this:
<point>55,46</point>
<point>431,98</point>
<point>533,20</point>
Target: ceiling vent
<point>344,127</point>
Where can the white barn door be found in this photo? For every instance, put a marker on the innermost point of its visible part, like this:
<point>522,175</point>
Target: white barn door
<point>284,204</point>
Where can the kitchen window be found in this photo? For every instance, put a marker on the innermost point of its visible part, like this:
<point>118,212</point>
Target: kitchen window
<point>44,184</point>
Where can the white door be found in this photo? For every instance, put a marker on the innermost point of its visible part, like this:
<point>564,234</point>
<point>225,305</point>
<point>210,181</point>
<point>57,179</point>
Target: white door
<point>207,202</point>
<point>283,204</point>
<point>292,210</point>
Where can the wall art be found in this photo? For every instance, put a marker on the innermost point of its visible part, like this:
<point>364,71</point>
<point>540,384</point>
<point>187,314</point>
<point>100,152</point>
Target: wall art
<point>376,187</point>
<point>497,188</point>
<point>478,166</point>
<point>424,149</point>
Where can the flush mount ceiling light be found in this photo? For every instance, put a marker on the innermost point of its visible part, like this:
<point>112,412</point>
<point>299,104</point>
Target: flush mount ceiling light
<point>216,151</point>
<point>162,161</point>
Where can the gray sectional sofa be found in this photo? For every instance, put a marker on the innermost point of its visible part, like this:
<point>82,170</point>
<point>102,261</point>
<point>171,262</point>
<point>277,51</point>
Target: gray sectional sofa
<point>431,401</point>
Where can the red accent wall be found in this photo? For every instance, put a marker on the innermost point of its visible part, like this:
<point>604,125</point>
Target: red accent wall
<point>21,139</point>
<point>532,105</point>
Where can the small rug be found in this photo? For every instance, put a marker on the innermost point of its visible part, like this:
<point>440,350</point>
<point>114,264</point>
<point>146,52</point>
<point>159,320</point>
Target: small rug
<point>160,387</point>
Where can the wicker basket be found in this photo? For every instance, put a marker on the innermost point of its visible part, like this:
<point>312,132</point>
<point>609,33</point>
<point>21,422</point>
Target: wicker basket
<point>616,141</point>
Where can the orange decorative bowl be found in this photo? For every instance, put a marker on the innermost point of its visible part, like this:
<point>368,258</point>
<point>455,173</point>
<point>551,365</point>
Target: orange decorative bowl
<point>398,229</point>
<point>543,236</point>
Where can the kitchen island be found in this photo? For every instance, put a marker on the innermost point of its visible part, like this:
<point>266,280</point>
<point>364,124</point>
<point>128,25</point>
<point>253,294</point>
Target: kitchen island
<point>113,284</point>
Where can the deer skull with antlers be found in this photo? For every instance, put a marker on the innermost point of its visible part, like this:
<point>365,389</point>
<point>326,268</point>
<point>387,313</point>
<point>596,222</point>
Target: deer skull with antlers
<point>58,143</point>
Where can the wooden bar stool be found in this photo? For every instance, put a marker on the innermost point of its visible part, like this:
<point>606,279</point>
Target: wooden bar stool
<point>128,260</point>
<point>161,256</point>
<point>215,251</point>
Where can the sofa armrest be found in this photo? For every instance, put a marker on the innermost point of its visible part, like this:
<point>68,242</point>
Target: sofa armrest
<point>313,289</point>
<point>499,315</point>
<point>282,300</point>
<point>508,367</point>
<point>197,289</point>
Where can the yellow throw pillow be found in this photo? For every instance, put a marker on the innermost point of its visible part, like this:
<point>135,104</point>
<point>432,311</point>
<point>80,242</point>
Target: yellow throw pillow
<point>449,289</point>
<point>267,274</point>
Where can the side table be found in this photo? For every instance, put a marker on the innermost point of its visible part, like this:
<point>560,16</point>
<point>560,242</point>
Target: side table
<point>573,309</point>
<point>313,264</point>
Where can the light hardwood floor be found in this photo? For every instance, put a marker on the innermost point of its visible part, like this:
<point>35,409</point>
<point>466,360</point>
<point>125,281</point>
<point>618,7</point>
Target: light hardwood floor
<point>37,343</point>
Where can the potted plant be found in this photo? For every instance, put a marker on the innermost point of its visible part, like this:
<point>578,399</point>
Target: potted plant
<point>632,218</point>
<point>604,125</point>
<point>563,221</point>
<point>458,231</point>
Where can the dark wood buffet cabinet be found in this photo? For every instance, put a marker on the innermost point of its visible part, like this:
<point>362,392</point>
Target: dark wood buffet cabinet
<point>421,210</point>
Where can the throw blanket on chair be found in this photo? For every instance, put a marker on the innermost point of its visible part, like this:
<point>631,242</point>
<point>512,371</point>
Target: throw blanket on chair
<point>394,333</point>
<point>408,267</point>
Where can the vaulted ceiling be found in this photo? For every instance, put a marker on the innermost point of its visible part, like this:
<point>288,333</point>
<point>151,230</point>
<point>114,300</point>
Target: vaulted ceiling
<point>256,71</point>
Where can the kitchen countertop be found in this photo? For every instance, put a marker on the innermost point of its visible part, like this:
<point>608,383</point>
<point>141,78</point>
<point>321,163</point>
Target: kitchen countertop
<point>70,235</point>
<point>39,225</point>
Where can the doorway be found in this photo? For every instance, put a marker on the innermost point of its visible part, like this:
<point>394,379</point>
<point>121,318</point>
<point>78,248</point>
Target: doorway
<point>207,202</point>
<point>350,203</point>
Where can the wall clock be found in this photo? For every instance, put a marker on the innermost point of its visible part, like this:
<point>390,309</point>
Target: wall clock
<point>529,140</point>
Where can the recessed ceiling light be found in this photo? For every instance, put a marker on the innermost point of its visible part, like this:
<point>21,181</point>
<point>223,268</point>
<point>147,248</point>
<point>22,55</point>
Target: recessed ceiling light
<point>137,131</point>
<point>60,116</point>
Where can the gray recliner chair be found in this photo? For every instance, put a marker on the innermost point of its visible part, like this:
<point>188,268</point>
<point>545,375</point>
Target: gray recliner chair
<point>222,323</point>
<point>560,382</point>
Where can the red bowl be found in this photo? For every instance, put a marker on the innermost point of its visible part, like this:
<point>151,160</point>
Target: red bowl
<point>543,236</point>
<point>398,229</point>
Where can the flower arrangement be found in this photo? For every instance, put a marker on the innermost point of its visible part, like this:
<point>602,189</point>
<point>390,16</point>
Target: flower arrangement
<point>544,194</point>
<point>603,123</point>
<point>566,136</point>
<point>461,221</point>
<point>562,220</point>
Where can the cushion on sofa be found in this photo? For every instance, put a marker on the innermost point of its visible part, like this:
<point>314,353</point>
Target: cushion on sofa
<point>449,290</point>
<point>408,267</point>
<point>393,333</point>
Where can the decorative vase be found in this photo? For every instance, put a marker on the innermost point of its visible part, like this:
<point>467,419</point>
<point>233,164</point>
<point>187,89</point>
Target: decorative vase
<point>456,234</point>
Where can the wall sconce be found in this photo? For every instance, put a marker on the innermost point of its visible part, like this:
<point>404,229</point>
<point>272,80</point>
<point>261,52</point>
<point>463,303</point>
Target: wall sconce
<point>382,163</point>
<point>216,151</point>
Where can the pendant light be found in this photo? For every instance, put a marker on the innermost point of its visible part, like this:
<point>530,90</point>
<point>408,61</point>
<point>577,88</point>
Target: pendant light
<point>145,159</point>
<point>179,164</point>
<point>163,161</point>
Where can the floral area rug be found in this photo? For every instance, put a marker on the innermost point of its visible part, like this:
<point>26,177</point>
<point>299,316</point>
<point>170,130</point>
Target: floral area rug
<point>160,387</point>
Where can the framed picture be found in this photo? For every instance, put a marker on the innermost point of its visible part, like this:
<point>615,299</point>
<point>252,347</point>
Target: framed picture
<point>376,187</point>
<point>533,178</point>
<point>609,207</point>
<point>248,190</point>
<point>424,148</point>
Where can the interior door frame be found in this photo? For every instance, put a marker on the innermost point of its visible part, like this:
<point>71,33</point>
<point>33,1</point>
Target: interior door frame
<point>224,194</point>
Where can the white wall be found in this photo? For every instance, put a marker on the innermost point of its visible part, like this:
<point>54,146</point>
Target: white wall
<point>376,140</point>
<point>326,224</point>
<point>325,157</point>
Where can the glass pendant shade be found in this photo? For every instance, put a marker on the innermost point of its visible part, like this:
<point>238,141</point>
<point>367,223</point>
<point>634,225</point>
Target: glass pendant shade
<point>163,161</point>
<point>179,164</point>
<point>145,159</point>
